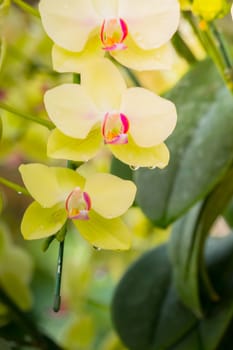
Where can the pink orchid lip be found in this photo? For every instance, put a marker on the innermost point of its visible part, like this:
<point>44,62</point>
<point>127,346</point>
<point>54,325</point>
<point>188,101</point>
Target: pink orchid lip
<point>115,128</point>
<point>78,204</point>
<point>113,33</point>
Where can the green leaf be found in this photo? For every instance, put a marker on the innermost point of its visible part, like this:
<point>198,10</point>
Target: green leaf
<point>148,314</point>
<point>201,147</point>
<point>228,214</point>
<point>121,169</point>
<point>187,245</point>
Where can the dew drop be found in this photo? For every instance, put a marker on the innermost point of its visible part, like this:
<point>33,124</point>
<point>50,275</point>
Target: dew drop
<point>152,167</point>
<point>96,248</point>
<point>134,167</point>
<point>19,192</point>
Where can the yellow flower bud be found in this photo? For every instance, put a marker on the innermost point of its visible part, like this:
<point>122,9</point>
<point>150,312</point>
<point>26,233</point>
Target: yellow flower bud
<point>185,5</point>
<point>210,9</point>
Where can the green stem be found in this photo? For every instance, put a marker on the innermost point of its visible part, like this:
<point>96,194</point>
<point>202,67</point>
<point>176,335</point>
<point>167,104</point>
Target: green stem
<point>32,118</point>
<point>14,186</point>
<point>182,49</point>
<point>214,46</point>
<point>73,165</point>
<point>76,78</point>
<point>60,236</point>
<point>222,46</point>
<point>207,41</point>
<point>27,8</point>
<point>133,77</point>
<point>212,49</point>
<point>57,296</point>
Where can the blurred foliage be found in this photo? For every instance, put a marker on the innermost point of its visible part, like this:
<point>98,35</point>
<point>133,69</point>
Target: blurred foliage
<point>165,194</point>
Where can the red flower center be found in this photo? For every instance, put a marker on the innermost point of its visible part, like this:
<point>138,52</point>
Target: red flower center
<point>113,33</point>
<point>78,204</point>
<point>115,127</point>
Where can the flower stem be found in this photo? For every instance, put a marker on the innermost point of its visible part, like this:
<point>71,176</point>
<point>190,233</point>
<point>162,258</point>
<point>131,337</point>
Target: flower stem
<point>27,8</point>
<point>133,77</point>
<point>60,236</point>
<point>76,78</point>
<point>182,49</point>
<point>57,296</point>
<point>214,45</point>
<point>222,46</point>
<point>32,118</point>
<point>14,186</point>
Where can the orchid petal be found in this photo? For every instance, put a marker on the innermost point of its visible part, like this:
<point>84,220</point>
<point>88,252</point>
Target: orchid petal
<point>135,156</point>
<point>66,61</point>
<point>71,110</point>
<point>69,23</point>
<point>110,195</point>
<point>104,83</point>
<point>152,118</point>
<point>136,58</point>
<point>49,185</point>
<point>103,233</point>
<point>106,8</point>
<point>153,24</point>
<point>41,222</point>
<point>61,146</point>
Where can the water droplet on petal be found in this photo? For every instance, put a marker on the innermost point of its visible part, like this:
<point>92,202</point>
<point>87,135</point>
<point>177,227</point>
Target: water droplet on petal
<point>134,167</point>
<point>139,37</point>
<point>96,248</point>
<point>152,167</point>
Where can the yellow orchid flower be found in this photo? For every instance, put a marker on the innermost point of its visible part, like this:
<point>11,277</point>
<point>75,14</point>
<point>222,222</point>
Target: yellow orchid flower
<point>93,204</point>
<point>134,32</point>
<point>132,122</point>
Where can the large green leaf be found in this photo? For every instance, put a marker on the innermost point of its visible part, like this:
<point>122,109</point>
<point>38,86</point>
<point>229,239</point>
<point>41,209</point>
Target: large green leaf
<point>148,314</point>
<point>201,147</point>
<point>121,169</point>
<point>187,245</point>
